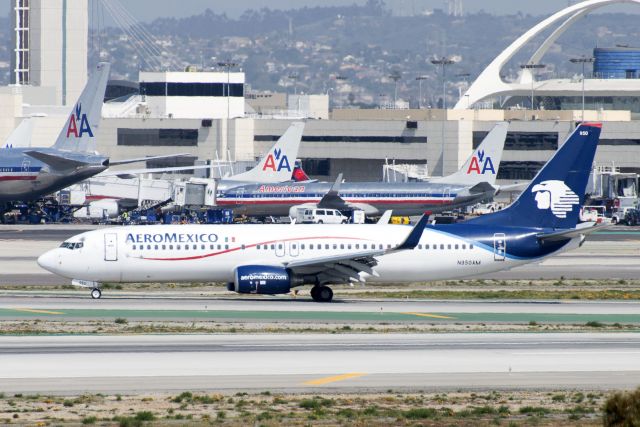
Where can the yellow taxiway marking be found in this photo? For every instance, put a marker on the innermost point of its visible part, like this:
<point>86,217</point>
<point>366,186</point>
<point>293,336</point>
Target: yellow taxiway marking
<point>433,316</point>
<point>28,310</point>
<point>335,378</point>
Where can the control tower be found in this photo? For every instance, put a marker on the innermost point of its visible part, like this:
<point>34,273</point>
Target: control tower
<point>49,46</point>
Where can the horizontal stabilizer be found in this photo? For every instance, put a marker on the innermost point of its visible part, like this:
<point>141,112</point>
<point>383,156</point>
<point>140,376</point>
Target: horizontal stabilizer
<point>386,216</point>
<point>582,230</point>
<point>144,159</point>
<point>56,162</point>
<point>130,173</point>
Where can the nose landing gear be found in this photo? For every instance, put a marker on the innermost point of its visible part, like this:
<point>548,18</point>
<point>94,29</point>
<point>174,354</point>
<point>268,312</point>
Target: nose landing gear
<point>321,293</point>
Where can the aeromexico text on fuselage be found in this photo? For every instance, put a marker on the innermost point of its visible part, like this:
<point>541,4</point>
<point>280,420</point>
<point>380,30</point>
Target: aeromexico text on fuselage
<point>404,198</point>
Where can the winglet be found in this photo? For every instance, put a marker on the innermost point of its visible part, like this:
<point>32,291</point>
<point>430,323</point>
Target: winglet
<point>386,216</point>
<point>414,236</point>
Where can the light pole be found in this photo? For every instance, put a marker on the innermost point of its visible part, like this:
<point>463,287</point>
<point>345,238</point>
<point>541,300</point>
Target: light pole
<point>420,79</point>
<point>228,65</point>
<point>443,62</point>
<point>395,76</point>
<point>532,68</point>
<point>294,77</point>
<point>583,60</point>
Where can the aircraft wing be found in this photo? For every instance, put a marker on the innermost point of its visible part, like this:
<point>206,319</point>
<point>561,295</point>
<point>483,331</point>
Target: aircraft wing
<point>583,230</point>
<point>347,267</point>
<point>56,162</point>
<point>332,200</point>
<point>130,173</point>
<point>144,159</point>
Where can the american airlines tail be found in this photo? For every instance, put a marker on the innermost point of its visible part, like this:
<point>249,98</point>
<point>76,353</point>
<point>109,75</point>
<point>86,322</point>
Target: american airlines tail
<point>21,135</point>
<point>79,130</point>
<point>277,165</point>
<point>482,166</point>
<point>554,196</point>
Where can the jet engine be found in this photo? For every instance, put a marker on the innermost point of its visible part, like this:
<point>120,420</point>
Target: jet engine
<point>260,279</point>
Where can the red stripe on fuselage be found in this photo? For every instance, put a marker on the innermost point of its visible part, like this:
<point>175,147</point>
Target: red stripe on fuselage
<point>18,178</point>
<point>249,246</point>
<point>299,201</point>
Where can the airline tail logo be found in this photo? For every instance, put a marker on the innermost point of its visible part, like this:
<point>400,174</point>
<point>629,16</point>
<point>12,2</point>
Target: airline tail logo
<point>480,164</point>
<point>78,123</point>
<point>555,195</point>
<point>277,161</point>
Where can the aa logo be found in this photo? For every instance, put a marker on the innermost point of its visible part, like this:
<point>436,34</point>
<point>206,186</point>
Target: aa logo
<point>276,161</point>
<point>556,196</point>
<point>78,123</point>
<point>481,164</point>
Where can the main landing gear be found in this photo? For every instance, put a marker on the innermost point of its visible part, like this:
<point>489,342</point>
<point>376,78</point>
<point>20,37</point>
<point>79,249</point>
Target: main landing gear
<point>96,293</point>
<point>321,293</point>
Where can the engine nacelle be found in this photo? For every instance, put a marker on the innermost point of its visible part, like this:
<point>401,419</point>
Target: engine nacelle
<point>260,279</point>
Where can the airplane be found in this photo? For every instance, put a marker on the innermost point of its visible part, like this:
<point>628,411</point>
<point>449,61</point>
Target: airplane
<point>110,190</point>
<point>274,258</point>
<point>28,173</point>
<point>474,182</point>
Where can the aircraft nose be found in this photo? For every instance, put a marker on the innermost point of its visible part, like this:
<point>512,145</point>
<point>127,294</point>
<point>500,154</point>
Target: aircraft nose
<point>49,261</point>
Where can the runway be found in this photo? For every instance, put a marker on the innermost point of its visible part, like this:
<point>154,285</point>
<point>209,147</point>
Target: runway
<point>277,310</point>
<point>607,254</point>
<point>310,362</point>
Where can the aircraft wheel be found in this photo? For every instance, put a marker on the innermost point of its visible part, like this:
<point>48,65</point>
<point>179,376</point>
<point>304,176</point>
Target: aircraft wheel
<point>319,221</point>
<point>322,294</point>
<point>96,293</point>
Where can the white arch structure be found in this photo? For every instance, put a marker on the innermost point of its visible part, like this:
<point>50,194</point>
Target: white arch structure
<point>489,83</point>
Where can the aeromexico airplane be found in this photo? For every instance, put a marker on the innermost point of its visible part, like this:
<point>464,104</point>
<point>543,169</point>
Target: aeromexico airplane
<point>272,259</point>
<point>474,182</point>
<point>28,173</point>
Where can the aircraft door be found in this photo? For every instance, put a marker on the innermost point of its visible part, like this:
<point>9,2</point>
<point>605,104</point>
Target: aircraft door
<point>279,248</point>
<point>499,246</point>
<point>110,247</point>
<point>294,249</point>
<point>239,196</point>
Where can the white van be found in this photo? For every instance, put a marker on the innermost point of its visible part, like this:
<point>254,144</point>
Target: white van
<point>323,216</point>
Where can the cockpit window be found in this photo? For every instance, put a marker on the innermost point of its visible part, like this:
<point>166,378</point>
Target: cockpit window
<point>71,245</point>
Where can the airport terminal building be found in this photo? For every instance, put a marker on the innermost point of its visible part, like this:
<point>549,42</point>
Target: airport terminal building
<point>216,116</point>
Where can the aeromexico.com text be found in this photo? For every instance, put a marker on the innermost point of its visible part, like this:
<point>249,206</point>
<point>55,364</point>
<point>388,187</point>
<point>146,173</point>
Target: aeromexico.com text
<point>172,238</point>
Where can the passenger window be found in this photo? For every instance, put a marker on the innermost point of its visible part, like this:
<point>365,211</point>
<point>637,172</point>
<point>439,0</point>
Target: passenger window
<point>419,246</point>
<point>349,247</point>
<point>456,247</point>
<point>326,246</point>
<point>258,247</point>
<point>273,246</point>
<point>311,246</point>
<point>156,247</point>
<point>302,246</point>
<point>164,247</point>
<point>202,247</point>
<point>134,247</point>
<point>219,247</point>
<point>178,247</point>
<point>388,246</point>
<point>280,246</point>
<point>226,246</point>
<point>464,246</point>
<point>341,246</point>
<point>470,246</point>
<point>357,246</point>
<point>449,247</point>
<point>364,246</point>
<point>210,246</point>
<point>335,246</point>
<point>442,246</point>
<point>426,246</point>
<point>170,247</point>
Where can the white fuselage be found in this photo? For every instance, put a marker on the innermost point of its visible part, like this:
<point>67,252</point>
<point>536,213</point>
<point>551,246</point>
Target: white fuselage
<point>210,253</point>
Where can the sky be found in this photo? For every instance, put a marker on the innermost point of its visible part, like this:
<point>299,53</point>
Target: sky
<point>146,10</point>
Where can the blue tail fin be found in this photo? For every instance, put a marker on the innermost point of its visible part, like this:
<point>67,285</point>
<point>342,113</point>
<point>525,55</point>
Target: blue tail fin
<point>554,196</point>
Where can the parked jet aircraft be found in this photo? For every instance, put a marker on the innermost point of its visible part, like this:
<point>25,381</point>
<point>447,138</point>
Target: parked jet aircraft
<point>272,259</point>
<point>108,190</point>
<point>28,173</point>
<point>472,183</point>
